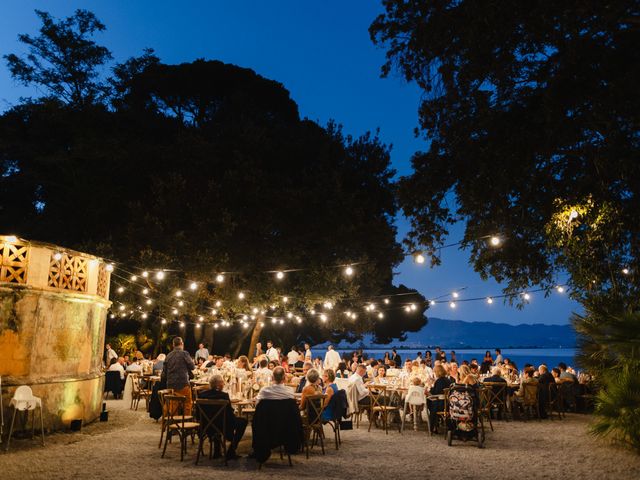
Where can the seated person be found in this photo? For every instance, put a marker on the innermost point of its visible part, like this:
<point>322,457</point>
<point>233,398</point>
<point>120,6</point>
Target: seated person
<point>312,387</point>
<point>342,371</point>
<point>357,381</point>
<point>442,382</point>
<point>305,369</point>
<point>328,378</point>
<point>263,374</point>
<point>235,426</point>
<point>117,364</point>
<point>528,378</point>
<point>277,391</point>
<point>159,364</point>
<point>564,373</point>
<point>496,376</point>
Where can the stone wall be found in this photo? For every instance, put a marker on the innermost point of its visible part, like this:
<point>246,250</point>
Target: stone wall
<point>53,307</point>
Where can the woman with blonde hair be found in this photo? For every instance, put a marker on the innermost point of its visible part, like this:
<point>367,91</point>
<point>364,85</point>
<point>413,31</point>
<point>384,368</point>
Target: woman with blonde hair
<point>442,382</point>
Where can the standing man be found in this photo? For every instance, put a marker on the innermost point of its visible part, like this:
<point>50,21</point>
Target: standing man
<point>331,359</point>
<point>272,353</point>
<point>293,357</point>
<point>109,354</point>
<point>177,366</point>
<point>202,353</point>
<point>396,358</point>
<point>307,353</point>
<point>258,350</point>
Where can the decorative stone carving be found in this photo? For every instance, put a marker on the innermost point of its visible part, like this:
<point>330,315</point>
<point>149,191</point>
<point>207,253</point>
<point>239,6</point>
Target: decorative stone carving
<point>14,259</point>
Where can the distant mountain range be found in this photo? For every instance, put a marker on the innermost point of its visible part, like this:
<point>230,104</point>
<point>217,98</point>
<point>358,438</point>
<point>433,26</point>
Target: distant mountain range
<point>460,334</point>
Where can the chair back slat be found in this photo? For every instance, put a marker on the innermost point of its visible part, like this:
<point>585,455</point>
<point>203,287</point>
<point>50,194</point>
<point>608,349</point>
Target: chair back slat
<point>208,413</point>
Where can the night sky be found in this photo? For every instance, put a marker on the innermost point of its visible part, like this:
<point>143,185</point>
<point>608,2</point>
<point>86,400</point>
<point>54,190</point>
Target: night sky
<point>322,53</point>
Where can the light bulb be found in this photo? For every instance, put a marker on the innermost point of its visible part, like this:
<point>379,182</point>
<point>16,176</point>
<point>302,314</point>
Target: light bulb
<point>279,275</point>
<point>455,294</point>
<point>149,301</point>
<point>625,271</point>
<point>178,293</point>
<point>214,312</point>
<point>241,295</point>
<point>163,321</point>
<point>57,256</point>
<point>285,299</point>
<point>109,267</point>
<point>386,301</point>
<point>134,278</point>
<point>526,296</point>
<point>174,311</point>
<point>381,315</point>
<point>560,288</point>
<point>145,291</point>
<point>193,286</point>
<point>219,278</point>
<point>323,317</point>
<point>144,315</point>
<point>289,315</point>
<point>452,304</point>
<point>281,322</point>
<point>218,303</point>
<point>489,300</point>
<point>495,241</point>
<point>160,275</point>
<point>420,258</point>
<point>112,316</point>
<point>120,289</point>
<point>407,309</point>
<point>432,303</point>
<point>200,318</point>
<point>181,303</point>
<point>198,325</point>
<point>122,307</point>
<point>348,271</point>
<point>145,274</point>
<point>413,307</point>
<point>181,324</point>
<point>215,325</point>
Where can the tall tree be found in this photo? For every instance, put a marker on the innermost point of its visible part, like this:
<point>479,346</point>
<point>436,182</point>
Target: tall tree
<point>63,59</point>
<point>533,119</point>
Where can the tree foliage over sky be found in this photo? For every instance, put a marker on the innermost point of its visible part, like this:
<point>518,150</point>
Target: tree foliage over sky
<point>532,112</point>
<point>200,168</point>
<point>533,117</point>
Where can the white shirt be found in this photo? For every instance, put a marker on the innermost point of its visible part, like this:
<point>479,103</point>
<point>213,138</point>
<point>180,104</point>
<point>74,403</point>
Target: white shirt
<point>358,384</point>
<point>117,368</point>
<point>272,354</point>
<point>134,367</point>
<point>275,392</point>
<point>331,359</point>
<point>307,355</point>
<point>498,359</point>
<point>293,357</point>
<point>111,353</point>
<point>202,353</point>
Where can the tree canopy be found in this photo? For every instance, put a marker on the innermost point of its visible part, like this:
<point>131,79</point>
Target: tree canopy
<point>532,116</point>
<point>206,167</point>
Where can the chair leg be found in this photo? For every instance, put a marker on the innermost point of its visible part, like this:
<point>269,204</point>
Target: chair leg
<point>166,440</point>
<point>13,419</point>
<point>200,450</point>
<point>41,425</point>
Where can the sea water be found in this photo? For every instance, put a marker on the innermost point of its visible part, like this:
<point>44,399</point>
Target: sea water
<point>520,356</point>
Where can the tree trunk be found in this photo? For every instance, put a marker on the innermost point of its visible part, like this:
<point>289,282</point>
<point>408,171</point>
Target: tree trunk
<point>255,336</point>
<point>240,342</point>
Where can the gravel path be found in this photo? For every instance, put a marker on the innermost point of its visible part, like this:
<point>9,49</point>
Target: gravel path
<point>127,447</point>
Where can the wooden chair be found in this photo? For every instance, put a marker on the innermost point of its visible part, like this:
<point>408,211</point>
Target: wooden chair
<point>529,400</point>
<point>380,404</point>
<point>314,427</point>
<point>498,398</point>
<point>440,415</point>
<point>163,423</point>
<point>554,401</point>
<point>138,392</point>
<point>210,412</point>
<point>484,411</point>
<point>195,391</point>
<point>177,423</point>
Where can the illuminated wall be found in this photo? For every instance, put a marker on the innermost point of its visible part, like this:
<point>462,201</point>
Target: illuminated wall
<point>53,306</point>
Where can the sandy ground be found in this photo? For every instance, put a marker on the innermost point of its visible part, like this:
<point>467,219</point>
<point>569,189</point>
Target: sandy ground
<point>127,447</point>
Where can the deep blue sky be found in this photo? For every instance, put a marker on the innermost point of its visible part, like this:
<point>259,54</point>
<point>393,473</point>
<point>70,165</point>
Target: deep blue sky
<point>322,53</point>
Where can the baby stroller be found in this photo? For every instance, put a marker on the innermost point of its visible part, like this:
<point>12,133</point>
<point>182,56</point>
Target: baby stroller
<point>462,418</point>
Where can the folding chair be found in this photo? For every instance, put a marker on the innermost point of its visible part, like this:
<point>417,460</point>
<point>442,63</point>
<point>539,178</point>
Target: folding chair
<point>177,422</point>
<point>209,412</point>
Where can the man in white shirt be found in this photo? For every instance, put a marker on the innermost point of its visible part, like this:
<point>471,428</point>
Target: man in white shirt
<point>109,354</point>
<point>263,374</point>
<point>356,381</point>
<point>307,353</point>
<point>498,360</point>
<point>272,353</point>
<point>202,353</point>
<point>118,367</point>
<point>331,358</point>
<point>278,391</point>
<point>293,357</point>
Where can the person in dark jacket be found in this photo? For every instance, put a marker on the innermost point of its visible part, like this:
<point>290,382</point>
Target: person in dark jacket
<point>178,367</point>
<point>442,382</point>
<point>235,426</point>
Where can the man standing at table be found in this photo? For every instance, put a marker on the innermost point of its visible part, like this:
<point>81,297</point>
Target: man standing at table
<point>272,353</point>
<point>109,354</point>
<point>177,366</point>
<point>307,353</point>
<point>202,353</point>
<point>331,359</point>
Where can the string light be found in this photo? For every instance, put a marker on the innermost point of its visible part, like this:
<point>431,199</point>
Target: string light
<point>178,293</point>
<point>495,241</point>
<point>452,304</point>
<point>455,294</point>
<point>328,305</point>
<point>560,289</point>
<point>219,278</point>
<point>489,300</point>
<point>112,316</point>
<point>109,267</point>
<point>181,324</point>
<point>145,291</point>
<point>215,325</point>
<point>407,309</point>
<point>241,295</point>
<point>163,321</point>
<point>181,303</point>
<point>57,256</point>
<point>625,271</point>
<point>386,301</point>
<point>413,307</point>
<point>348,271</point>
<point>526,296</point>
<point>200,318</point>
<point>134,278</point>
<point>285,299</point>
<point>198,325</point>
<point>218,303</point>
<point>160,275</point>
<point>193,286</point>
<point>145,274</point>
<point>144,315</point>
<point>120,289</point>
<point>174,311</point>
<point>149,301</point>
<point>323,317</point>
<point>122,307</point>
<point>380,315</point>
<point>279,275</point>
<point>420,258</point>
<point>432,303</point>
